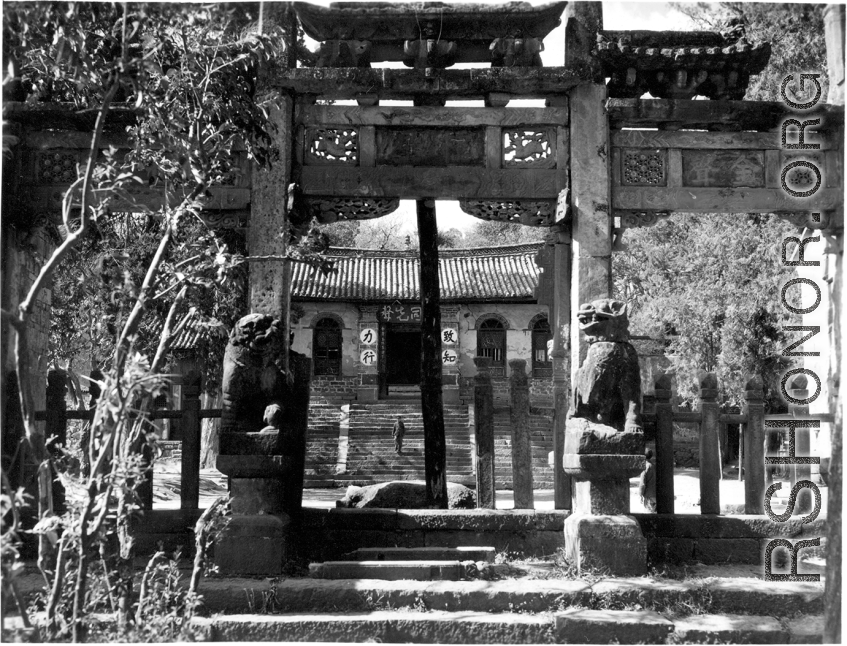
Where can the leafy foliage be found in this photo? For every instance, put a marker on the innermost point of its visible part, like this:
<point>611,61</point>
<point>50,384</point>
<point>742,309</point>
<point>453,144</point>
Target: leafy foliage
<point>794,30</point>
<point>709,286</point>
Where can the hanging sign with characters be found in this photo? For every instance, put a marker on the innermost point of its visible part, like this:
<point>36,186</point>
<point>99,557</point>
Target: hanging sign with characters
<point>449,336</point>
<point>449,357</point>
<point>368,357</point>
<point>398,312</point>
<point>368,336</point>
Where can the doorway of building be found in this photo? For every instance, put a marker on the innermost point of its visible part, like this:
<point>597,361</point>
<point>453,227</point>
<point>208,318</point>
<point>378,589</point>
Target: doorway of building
<point>402,355</point>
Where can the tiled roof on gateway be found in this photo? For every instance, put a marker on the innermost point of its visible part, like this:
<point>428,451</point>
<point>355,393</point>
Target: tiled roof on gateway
<point>492,273</point>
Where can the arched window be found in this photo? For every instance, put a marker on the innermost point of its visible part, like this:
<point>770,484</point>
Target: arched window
<point>542,365</point>
<point>326,349</point>
<point>491,342</point>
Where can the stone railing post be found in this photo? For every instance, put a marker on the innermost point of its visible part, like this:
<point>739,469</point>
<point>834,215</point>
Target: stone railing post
<point>521,441</point>
<point>484,432</point>
<point>190,475</point>
<point>710,452</point>
<point>754,448</point>
<point>664,445</point>
<point>798,389</point>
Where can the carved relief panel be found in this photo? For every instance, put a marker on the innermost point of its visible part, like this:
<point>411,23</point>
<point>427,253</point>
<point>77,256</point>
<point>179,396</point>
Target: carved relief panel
<point>720,168</point>
<point>430,147</point>
<point>524,148</point>
<point>332,146</point>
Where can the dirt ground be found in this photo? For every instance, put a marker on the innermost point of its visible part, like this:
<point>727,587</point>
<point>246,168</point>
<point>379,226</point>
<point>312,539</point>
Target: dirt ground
<point>686,491</point>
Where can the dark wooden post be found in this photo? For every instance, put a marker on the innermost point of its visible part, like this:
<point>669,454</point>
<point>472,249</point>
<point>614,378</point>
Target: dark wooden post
<point>56,426</point>
<point>754,448</point>
<point>94,391</point>
<point>484,433</point>
<point>189,492</point>
<point>710,450</point>
<point>521,441</point>
<point>664,445</point>
<point>435,445</point>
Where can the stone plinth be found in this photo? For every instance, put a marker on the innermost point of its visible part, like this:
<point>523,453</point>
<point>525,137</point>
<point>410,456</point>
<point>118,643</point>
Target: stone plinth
<point>601,482</point>
<point>600,534</point>
<point>255,540</point>
<point>609,543</point>
<point>253,544</point>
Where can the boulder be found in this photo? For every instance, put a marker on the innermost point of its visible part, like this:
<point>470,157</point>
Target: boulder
<point>404,494</point>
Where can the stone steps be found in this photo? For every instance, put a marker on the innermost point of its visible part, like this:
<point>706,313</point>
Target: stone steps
<point>610,610</point>
<point>417,570</point>
<point>423,553</point>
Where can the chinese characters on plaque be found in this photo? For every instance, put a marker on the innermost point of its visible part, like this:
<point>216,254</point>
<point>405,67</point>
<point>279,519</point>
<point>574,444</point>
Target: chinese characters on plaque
<point>399,313</point>
<point>449,336</point>
<point>449,357</point>
<point>368,336</point>
<point>368,357</point>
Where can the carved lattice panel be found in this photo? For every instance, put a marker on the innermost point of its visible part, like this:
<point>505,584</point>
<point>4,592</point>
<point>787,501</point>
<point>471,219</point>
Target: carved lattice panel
<point>524,148</point>
<point>332,209</point>
<point>332,146</point>
<point>57,167</point>
<point>530,212</point>
<point>644,167</point>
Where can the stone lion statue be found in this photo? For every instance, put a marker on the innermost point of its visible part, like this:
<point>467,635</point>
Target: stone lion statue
<point>254,385</point>
<point>607,388</point>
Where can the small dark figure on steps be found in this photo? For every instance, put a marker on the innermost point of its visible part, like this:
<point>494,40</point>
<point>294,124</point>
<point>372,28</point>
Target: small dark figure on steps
<point>647,484</point>
<point>398,433</point>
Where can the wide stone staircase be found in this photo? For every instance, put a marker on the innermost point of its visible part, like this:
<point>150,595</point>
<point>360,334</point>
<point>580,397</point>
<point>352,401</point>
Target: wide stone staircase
<point>371,456</point>
<point>541,434</point>
<point>325,420</point>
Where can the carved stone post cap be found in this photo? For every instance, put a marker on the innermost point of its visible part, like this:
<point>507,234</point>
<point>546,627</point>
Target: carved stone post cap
<point>517,365</point>
<point>708,386</point>
<point>798,382</point>
<point>601,467</point>
<point>482,363</point>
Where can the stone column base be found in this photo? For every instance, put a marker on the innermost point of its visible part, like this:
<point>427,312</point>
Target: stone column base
<point>253,544</point>
<point>612,544</point>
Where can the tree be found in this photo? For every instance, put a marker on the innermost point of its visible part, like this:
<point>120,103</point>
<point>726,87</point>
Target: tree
<point>709,286</point>
<point>189,73</point>
<point>494,233</point>
<point>794,30</point>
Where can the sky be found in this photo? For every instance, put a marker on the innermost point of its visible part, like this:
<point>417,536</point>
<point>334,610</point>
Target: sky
<point>656,16</point>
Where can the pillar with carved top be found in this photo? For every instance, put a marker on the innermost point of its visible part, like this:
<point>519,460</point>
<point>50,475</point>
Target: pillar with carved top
<point>368,353</point>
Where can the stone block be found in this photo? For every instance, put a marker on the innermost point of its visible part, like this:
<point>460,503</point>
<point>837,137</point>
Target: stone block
<point>610,543</point>
<point>388,570</point>
<point>733,629</point>
<point>583,436</point>
<point>254,466</point>
<point>608,496</point>
<point>253,544</point>
<point>256,495</point>
<point>612,626</point>
<point>438,553</point>
<point>260,443</point>
<point>727,550</point>
<point>673,551</point>
<point>806,629</point>
<point>599,466</point>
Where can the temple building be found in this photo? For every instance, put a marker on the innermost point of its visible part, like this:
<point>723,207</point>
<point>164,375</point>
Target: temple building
<point>360,323</point>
